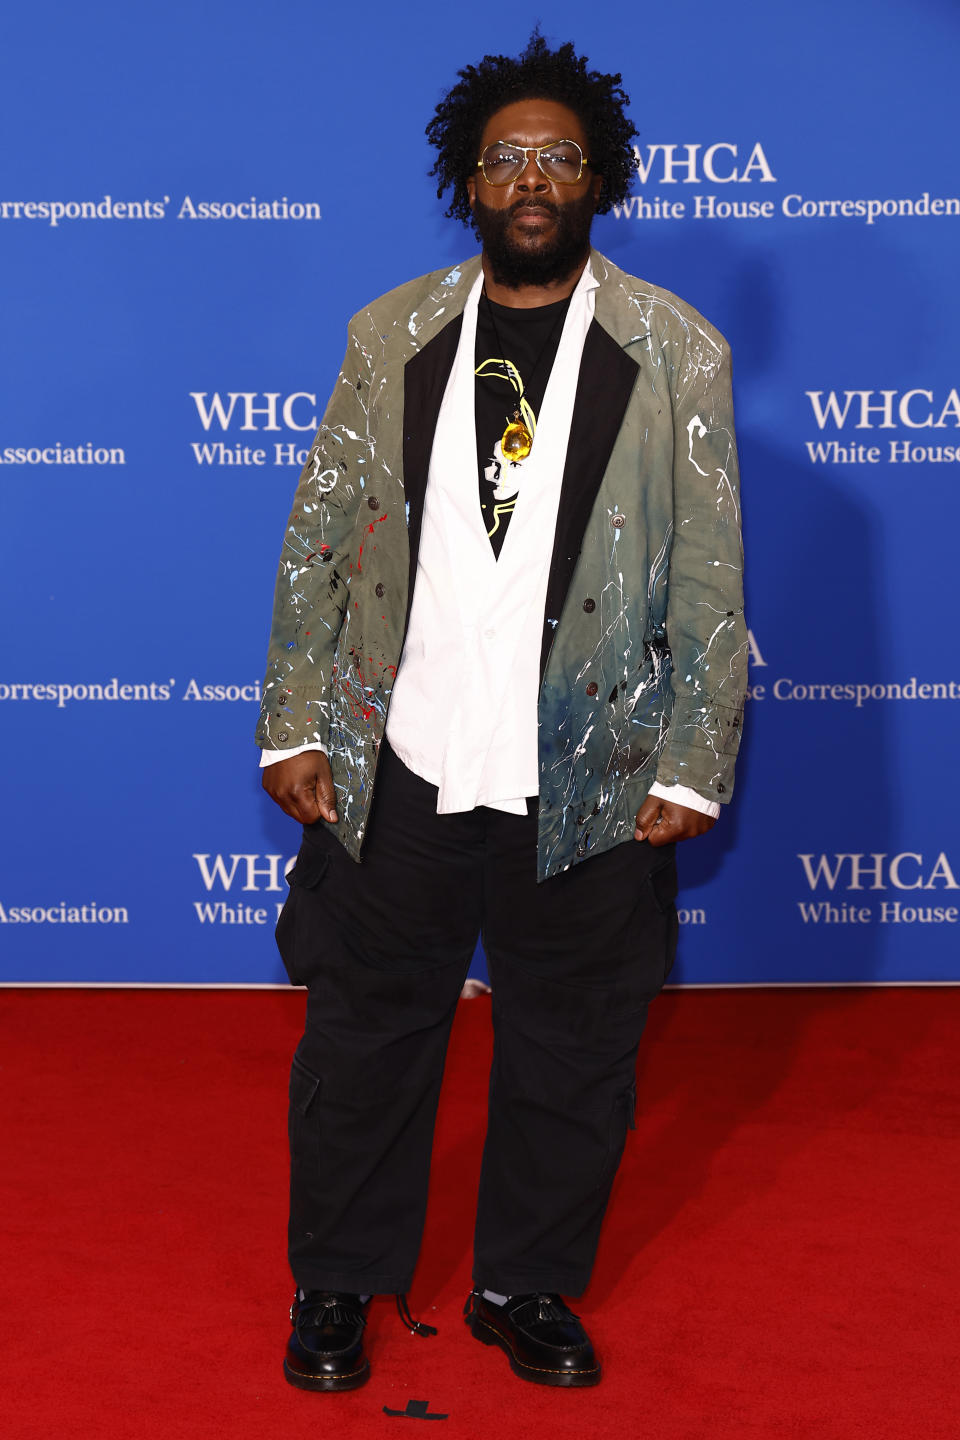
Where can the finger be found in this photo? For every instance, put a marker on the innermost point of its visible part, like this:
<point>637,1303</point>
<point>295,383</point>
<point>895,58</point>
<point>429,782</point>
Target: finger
<point>297,801</point>
<point>303,805</point>
<point>325,797</point>
<point>678,822</point>
<point>663,831</point>
<point>647,817</point>
<point>281,795</point>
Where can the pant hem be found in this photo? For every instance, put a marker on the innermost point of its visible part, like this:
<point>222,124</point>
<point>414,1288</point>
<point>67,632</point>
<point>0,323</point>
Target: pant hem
<point>353,1284</point>
<point>573,1285</point>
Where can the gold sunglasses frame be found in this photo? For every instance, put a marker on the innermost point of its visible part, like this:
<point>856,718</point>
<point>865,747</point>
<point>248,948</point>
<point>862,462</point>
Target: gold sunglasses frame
<point>535,151</point>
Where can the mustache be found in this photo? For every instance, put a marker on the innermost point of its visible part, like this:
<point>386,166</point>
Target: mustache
<point>534,204</point>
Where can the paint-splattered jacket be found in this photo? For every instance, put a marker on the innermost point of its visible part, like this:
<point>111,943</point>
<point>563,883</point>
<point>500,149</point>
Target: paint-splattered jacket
<point>644,648</point>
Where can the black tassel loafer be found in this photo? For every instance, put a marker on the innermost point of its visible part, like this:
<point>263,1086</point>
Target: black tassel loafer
<point>543,1339</point>
<point>325,1349</point>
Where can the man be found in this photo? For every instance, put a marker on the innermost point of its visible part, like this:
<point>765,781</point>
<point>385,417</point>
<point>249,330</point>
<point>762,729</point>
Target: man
<point>506,677</point>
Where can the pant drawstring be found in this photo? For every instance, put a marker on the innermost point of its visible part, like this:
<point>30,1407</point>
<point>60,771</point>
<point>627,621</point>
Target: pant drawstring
<point>416,1327</point>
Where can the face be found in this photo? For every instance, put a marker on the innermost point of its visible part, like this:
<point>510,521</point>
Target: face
<point>534,231</point>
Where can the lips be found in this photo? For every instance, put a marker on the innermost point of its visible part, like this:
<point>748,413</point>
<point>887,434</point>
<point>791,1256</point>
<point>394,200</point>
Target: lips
<point>532,214</point>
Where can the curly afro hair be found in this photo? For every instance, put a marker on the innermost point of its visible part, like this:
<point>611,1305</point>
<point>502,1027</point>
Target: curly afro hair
<point>542,74</point>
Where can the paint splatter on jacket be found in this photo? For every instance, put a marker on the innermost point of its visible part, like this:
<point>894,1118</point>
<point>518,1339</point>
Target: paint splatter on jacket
<point>644,645</point>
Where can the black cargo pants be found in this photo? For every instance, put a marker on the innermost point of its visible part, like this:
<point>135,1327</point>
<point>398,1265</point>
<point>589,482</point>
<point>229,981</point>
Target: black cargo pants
<point>384,947</point>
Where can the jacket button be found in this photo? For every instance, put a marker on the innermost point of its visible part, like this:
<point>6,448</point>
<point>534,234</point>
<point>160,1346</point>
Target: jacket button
<point>589,606</point>
<point>581,819</point>
<point>721,789</point>
<point>618,521</point>
<point>373,502</point>
<point>283,735</point>
<point>378,590</point>
<point>592,688</point>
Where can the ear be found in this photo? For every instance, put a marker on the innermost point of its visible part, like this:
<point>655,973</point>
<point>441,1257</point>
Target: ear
<point>596,185</point>
<point>471,184</point>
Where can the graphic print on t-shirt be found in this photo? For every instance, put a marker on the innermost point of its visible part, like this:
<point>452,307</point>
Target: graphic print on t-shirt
<point>514,354</point>
<point>504,474</point>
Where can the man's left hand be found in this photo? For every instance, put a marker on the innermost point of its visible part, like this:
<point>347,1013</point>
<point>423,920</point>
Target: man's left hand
<point>662,822</point>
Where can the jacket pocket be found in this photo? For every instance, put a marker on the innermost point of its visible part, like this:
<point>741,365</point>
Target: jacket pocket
<point>300,922</point>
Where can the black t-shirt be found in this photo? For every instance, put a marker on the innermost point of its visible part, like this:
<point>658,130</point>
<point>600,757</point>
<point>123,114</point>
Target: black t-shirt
<point>529,340</point>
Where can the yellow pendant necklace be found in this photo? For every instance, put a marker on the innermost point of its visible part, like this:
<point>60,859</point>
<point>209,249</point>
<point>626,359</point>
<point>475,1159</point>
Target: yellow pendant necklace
<point>516,442</point>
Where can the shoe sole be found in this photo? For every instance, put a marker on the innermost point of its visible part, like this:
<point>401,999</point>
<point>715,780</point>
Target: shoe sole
<point>353,1381</point>
<point>568,1379</point>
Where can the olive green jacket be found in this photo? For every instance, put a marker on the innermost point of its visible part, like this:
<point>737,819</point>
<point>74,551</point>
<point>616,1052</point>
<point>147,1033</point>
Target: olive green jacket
<point>644,650</point>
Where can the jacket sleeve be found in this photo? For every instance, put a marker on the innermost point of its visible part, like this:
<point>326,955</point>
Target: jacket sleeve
<point>706,631</point>
<point>315,565</point>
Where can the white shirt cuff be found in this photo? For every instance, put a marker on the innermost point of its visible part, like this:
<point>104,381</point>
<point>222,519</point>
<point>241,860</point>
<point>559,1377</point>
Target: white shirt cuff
<point>683,795</point>
<point>273,757</point>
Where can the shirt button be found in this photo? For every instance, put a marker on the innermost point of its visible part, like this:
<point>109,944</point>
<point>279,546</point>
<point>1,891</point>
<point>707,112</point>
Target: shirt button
<point>489,634</point>
<point>373,502</point>
<point>618,521</point>
<point>589,606</point>
<point>592,688</point>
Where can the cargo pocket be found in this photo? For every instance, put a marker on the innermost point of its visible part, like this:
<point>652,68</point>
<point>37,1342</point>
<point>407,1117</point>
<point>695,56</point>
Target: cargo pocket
<point>663,885</point>
<point>623,1117</point>
<point>303,1087</point>
<point>301,1123</point>
<point>299,925</point>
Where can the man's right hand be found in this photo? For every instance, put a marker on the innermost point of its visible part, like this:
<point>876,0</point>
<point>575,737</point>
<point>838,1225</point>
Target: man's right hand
<point>303,787</point>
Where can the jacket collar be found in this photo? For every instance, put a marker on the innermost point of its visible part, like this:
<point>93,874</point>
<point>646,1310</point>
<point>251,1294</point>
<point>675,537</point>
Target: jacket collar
<point>443,302</point>
<point>618,304</point>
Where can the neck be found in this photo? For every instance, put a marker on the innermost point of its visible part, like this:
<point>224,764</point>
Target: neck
<point>529,297</point>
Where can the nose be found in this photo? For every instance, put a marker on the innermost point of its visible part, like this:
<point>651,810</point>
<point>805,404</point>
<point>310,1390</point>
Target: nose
<point>531,177</point>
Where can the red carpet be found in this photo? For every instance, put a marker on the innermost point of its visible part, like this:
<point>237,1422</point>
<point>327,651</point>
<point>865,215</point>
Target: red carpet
<point>780,1257</point>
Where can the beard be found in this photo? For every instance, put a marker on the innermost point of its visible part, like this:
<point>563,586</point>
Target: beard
<point>531,260</point>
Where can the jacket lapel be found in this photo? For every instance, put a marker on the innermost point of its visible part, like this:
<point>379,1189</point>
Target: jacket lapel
<point>607,377</point>
<point>425,378</point>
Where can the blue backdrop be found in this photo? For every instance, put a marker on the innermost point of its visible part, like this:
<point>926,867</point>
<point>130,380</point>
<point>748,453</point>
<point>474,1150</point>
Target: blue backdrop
<point>193,201</point>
